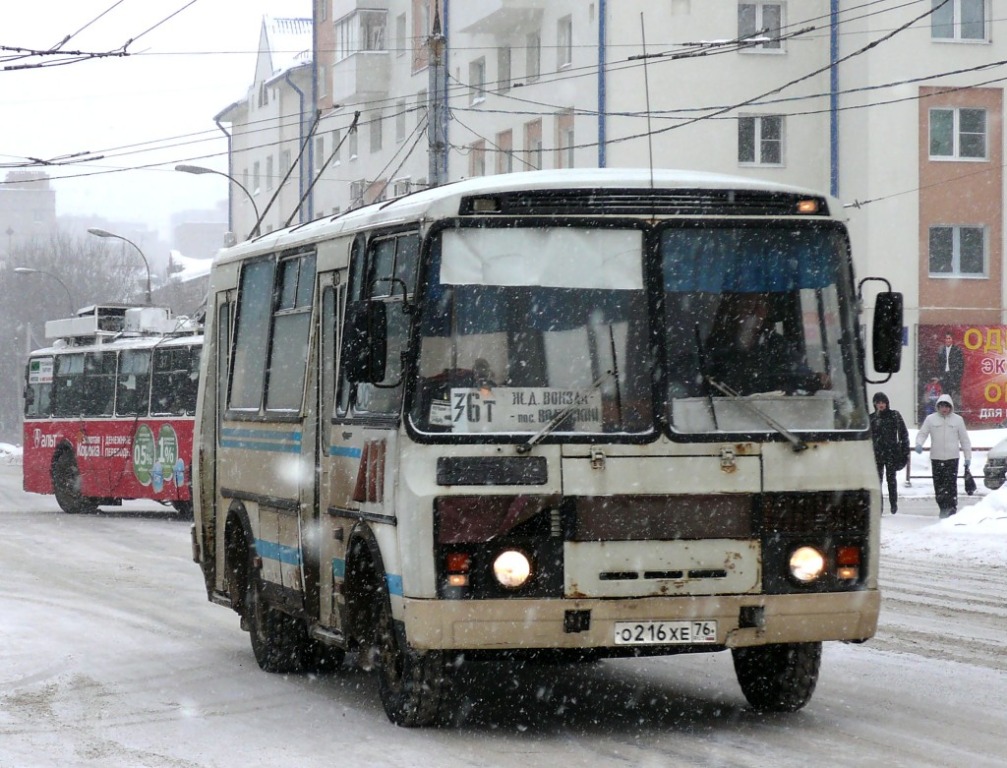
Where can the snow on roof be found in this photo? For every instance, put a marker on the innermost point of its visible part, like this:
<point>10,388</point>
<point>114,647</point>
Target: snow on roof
<point>186,268</point>
<point>288,41</point>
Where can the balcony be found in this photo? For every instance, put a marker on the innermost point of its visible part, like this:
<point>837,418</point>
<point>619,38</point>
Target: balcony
<point>362,76</point>
<point>497,17</point>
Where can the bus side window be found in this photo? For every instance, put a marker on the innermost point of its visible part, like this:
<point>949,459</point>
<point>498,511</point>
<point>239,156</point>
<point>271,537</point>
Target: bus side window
<point>133,382</point>
<point>99,374</point>
<point>68,385</point>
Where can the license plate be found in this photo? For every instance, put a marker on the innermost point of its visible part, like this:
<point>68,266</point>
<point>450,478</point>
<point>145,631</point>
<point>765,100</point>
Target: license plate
<point>665,632</point>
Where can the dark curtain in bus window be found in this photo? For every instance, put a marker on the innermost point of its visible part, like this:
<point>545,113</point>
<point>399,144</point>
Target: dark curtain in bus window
<point>133,382</point>
<point>248,371</point>
<point>291,323</point>
<point>174,389</point>
<point>99,383</point>
<point>68,385</point>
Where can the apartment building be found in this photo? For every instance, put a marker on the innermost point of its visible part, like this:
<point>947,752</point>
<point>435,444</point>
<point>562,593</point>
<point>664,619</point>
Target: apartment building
<point>894,107</point>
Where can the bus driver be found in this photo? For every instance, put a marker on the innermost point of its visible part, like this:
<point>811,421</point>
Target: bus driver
<point>749,354</point>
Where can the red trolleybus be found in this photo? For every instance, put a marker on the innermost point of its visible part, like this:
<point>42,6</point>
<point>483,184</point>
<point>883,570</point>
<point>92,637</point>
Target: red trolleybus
<point>109,408</point>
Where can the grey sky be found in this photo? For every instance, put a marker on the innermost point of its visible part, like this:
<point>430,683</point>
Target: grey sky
<point>152,107</point>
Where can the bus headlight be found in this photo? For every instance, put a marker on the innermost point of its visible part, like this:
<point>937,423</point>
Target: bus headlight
<point>806,564</point>
<point>512,568</point>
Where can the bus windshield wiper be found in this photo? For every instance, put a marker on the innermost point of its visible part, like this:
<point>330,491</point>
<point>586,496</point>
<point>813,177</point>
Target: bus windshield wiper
<point>558,419</point>
<point>797,443</point>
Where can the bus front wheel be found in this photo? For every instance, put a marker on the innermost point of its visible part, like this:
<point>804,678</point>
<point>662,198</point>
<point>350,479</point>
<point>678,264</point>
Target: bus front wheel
<point>66,485</point>
<point>778,678</point>
<point>415,686</point>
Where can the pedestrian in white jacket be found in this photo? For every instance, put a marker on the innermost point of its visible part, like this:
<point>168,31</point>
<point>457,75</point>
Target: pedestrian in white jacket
<point>948,436</point>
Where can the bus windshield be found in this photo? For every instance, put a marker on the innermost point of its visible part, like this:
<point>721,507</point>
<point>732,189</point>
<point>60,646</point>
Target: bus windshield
<point>758,329</point>
<point>524,328</point>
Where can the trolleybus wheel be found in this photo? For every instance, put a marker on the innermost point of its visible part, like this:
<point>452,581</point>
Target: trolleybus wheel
<point>279,642</point>
<point>778,678</point>
<point>415,686</point>
<point>66,486</point>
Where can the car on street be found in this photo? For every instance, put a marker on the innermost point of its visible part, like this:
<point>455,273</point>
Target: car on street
<point>996,466</point>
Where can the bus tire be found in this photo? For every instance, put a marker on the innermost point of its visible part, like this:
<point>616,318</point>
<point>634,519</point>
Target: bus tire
<point>778,678</point>
<point>184,509</point>
<point>280,642</point>
<point>66,485</point>
<point>415,685</point>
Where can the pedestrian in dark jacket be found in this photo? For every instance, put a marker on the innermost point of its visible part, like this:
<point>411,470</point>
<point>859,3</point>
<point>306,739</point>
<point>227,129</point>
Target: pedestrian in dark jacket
<point>891,445</point>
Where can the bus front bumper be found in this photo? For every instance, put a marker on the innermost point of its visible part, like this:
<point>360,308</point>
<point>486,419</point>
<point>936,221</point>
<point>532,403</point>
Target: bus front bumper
<point>744,620</point>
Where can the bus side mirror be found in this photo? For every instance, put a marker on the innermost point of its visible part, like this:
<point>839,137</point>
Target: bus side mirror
<point>886,337</point>
<point>365,338</point>
<point>29,396</point>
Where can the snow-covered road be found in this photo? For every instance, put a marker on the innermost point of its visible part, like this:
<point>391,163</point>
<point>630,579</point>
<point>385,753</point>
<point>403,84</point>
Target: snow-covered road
<point>111,656</point>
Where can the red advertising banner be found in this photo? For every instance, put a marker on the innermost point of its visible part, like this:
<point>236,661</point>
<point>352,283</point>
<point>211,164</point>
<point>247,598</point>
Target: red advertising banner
<point>973,372</point>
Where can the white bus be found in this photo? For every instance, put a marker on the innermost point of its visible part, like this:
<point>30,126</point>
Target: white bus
<point>502,418</point>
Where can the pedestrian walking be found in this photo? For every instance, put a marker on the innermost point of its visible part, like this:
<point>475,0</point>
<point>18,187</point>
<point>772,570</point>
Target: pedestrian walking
<point>891,446</point>
<point>948,436</point>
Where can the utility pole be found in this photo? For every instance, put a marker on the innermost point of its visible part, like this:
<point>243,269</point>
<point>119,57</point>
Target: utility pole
<point>437,108</point>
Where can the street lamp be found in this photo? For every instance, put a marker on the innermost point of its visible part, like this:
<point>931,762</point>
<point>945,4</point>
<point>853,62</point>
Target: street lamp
<point>199,170</point>
<point>30,271</point>
<point>103,233</point>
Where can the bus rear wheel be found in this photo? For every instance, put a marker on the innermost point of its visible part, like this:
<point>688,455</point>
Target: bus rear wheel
<point>415,686</point>
<point>778,678</point>
<point>280,642</point>
<point>66,486</point>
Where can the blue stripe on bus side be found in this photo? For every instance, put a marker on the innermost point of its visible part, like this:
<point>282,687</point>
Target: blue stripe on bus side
<point>281,552</point>
<point>394,581</point>
<point>260,440</point>
<point>345,450</point>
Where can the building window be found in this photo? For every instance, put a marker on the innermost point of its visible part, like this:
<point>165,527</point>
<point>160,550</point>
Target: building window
<point>269,172</point>
<point>336,138</point>
<point>352,139</point>
<point>284,163</point>
<point>503,69</point>
<point>505,152</point>
<point>376,132</point>
<point>256,177</point>
<point>760,140</point>
<point>958,134</point>
<point>533,144</point>
<point>400,120</point>
<point>422,29</point>
<point>761,21</point>
<point>401,43</point>
<point>958,20</point>
<point>360,31</point>
<point>421,107</point>
<point>324,75</point>
<point>564,140</point>
<point>564,42</point>
<point>533,57</point>
<point>319,153</point>
<point>477,159</point>
<point>477,80</point>
<point>957,251</point>
<point>263,94</point>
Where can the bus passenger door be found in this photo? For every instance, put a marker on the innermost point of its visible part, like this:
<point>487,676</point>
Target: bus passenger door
<point>331,532</point>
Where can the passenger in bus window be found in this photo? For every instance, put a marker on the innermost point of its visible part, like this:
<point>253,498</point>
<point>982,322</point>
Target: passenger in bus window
<point>750,350</point>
